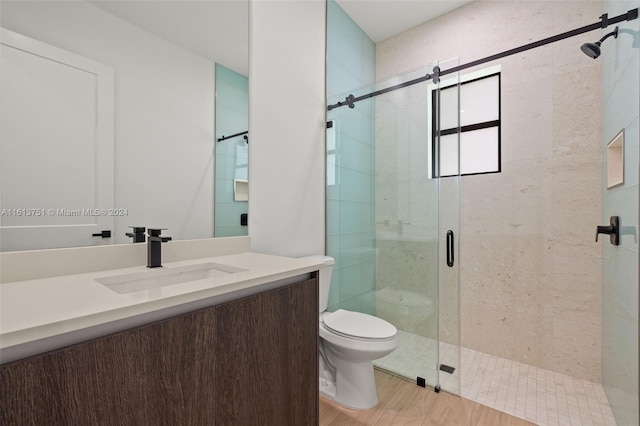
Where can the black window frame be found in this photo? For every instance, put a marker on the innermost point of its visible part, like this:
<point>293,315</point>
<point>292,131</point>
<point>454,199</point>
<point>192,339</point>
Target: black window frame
<point>435,133</point>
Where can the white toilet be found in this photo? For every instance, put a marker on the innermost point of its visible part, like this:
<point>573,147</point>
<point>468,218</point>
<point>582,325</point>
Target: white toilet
<point>349,342</point>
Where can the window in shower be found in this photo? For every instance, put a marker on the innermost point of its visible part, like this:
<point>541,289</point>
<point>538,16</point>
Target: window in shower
<point>332,155</point>
<point>478,149</point>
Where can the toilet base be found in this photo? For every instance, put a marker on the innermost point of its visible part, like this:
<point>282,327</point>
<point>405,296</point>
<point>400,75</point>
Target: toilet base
<point>354,386</point>
<point>346,365</point>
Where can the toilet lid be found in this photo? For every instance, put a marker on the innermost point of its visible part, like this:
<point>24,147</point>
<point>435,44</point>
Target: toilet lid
<point>360,325</point>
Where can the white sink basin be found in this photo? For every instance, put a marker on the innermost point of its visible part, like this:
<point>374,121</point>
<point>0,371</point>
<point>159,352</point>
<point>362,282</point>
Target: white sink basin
<point>165,276</point>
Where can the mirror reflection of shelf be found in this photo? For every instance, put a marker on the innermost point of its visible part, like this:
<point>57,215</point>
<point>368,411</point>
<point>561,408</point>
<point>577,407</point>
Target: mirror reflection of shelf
<point>240,190</point>
<point>615,161</point>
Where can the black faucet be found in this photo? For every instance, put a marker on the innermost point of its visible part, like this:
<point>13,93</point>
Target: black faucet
<point>137,234</point>
<point>154,251</point>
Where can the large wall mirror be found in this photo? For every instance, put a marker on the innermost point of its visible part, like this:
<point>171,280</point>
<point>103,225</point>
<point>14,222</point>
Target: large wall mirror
<point>112,112</point>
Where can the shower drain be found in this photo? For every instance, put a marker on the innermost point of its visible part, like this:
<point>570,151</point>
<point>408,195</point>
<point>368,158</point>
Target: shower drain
<point>447,368</point>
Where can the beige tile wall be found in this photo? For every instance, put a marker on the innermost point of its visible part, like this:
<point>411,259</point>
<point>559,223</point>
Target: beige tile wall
<point>531,271</point>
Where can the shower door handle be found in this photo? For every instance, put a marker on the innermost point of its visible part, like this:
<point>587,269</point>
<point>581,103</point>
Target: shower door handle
<point>450,248</point>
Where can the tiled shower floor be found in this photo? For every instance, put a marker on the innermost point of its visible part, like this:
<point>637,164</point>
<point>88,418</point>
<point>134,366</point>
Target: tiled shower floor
<point>540,396</point>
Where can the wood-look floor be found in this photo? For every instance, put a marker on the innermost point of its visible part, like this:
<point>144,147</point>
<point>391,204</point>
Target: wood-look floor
<point>403,403</point>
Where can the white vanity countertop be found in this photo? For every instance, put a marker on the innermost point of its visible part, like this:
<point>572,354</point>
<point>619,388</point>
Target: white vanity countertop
<point>59,311</point>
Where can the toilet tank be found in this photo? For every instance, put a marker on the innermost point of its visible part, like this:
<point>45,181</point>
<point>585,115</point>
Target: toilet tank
<point>324,279</point>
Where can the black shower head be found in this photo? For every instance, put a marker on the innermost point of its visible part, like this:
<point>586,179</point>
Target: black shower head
<point>592,50</point>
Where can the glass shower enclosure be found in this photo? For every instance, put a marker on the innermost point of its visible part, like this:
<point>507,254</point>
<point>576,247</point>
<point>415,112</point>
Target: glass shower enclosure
<point>393,221</point>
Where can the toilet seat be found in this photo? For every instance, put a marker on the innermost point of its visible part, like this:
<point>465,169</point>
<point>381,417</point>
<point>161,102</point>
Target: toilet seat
<point>358,325</point>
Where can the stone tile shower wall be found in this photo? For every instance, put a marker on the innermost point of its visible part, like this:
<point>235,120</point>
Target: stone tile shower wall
<point>531,271</point>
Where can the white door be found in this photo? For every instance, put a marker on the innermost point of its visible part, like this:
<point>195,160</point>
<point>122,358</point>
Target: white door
<point>56,147</point>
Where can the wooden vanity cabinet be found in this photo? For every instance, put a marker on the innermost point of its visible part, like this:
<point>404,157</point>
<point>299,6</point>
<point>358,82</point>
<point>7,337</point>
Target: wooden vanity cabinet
<point>252,361</point>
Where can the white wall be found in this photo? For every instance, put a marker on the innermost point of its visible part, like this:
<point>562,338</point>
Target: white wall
<point>164,113</point>
<point>287,122</point>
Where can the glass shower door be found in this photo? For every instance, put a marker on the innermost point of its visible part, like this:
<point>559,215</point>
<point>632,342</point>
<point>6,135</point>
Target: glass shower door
<point>445,164</point>
<point>620,195</point>
<point>388,224</point>
<point>407,227</point>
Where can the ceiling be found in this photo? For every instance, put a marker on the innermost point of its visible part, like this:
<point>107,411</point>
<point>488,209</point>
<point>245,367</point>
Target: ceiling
<point>382,19</point>
<point>219,30</point>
